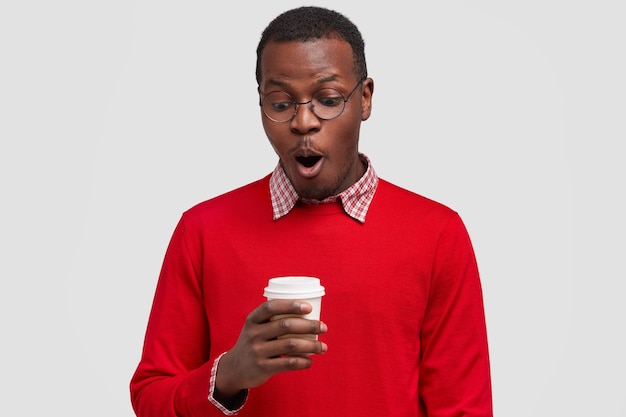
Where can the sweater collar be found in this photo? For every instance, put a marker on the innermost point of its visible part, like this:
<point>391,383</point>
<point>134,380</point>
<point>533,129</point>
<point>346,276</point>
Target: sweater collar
<point>355,200</point>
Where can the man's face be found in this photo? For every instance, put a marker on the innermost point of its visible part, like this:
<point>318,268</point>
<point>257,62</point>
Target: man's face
<point>319,156</point>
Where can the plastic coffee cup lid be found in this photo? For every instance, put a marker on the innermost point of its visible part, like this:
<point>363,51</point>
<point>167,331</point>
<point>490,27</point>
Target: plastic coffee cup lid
<point>294,288</point>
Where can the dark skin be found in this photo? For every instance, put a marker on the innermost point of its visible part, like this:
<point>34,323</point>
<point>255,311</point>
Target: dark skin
<point>300,69</point>
<point>258,354</point>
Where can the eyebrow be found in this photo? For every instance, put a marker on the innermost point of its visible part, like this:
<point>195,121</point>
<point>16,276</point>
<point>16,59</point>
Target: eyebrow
<point>279,83</point>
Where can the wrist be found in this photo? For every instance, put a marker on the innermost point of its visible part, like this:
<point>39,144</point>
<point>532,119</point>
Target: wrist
<point>224,395</point>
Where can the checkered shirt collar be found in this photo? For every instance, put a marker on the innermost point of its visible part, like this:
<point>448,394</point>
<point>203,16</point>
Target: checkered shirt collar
<point>355,199</point>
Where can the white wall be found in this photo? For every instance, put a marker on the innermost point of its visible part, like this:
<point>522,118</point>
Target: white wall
<point>113,121</point>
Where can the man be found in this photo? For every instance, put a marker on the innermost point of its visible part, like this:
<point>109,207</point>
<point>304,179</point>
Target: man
<point>402,330</point>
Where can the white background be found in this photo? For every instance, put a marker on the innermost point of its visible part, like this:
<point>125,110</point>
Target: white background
<point>115,116</point>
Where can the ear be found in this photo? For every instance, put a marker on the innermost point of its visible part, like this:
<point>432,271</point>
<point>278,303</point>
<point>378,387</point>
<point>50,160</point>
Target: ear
<point>366,99</point>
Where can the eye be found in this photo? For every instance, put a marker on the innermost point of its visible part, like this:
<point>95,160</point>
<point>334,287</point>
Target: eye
<point>277,102</point>
<point>328,97</point>
<point>281,106</point>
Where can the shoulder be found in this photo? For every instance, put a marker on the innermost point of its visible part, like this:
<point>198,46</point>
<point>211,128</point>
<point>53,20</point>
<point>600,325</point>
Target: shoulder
<point>235,203</point>
<point>403,200</point>
<point>412,213</point>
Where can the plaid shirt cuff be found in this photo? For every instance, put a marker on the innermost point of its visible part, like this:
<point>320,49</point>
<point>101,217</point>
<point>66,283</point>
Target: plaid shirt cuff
<point>241,400</point>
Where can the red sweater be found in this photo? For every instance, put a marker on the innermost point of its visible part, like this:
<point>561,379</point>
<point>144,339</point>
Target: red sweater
<point>403,307</point>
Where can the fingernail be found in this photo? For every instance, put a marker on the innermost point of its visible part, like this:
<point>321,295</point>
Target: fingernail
<point>323,327</point>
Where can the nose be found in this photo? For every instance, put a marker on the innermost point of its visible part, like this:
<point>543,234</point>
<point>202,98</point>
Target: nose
<point>305,120</point>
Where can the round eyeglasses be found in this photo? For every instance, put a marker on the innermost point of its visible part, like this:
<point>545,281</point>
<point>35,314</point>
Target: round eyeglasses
<point>326,103</point>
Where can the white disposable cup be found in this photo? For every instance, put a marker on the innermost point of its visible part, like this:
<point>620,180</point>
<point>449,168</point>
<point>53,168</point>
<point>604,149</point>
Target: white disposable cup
<point>303,288</point>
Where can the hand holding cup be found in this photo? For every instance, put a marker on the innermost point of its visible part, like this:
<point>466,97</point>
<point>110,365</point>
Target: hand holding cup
<point>279,335</point>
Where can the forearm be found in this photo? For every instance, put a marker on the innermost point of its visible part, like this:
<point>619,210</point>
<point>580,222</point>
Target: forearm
<point>153,396</point>
<point>173,396</point>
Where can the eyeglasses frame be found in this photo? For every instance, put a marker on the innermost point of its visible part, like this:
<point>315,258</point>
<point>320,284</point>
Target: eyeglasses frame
<point>298,104</point>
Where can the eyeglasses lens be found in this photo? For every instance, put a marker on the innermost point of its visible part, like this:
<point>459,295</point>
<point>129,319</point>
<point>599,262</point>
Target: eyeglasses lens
<point>326,103</point>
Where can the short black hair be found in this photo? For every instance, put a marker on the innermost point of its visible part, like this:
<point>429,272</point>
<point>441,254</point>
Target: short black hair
<point>311,23</point>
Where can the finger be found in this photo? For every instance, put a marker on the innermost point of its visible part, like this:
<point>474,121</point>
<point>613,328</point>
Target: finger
<point>287,363</point>
<point>270,308</point>
<point>293,325</point>
<point>292,346</point>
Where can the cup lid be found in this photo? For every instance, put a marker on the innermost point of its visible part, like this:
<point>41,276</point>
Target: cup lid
<point>294,287</point>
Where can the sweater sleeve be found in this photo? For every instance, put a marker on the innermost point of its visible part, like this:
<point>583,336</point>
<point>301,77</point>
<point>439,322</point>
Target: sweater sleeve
<point>454,368</point>
<point>172,378</point>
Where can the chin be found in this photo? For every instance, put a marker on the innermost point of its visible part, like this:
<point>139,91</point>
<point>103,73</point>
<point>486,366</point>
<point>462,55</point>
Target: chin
<point>315,193</point>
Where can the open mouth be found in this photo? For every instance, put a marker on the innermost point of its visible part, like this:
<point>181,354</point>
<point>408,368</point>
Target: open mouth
<point>308,161</point>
